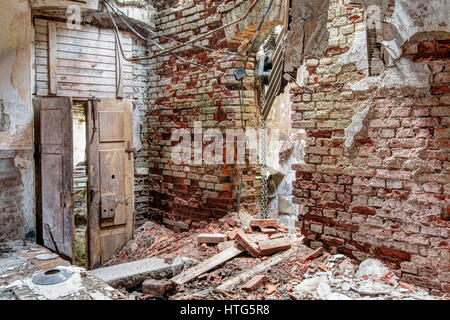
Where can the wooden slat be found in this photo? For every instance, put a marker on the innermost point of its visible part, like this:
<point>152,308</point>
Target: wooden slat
<point>91,43</point>
<point>207,265</point>
<point>85,64</point>
<point>85,50</point>
<point>83,87</point>
<point>52,57</point>
<point>257,269</point>
<point>85,80</point>
<point>85,57</point>
<point>63,4</point>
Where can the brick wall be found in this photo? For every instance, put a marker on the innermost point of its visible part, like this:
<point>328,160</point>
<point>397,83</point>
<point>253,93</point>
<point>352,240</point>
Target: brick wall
<point>140,88</point>
<point>179,94</point>
<point>387,194</point>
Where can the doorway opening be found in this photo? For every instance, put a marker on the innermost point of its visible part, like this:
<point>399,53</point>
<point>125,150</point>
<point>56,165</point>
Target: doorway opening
<point>80,181</point>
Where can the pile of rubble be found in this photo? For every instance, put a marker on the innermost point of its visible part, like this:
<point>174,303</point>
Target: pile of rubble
<point>246,258</point>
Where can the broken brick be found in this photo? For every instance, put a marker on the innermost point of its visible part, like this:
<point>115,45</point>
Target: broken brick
<point>268,231</point>
<point>274,246</point>
<point>159,288</point>
<point>315,254</point>
<point>232,234</point>
<point>276,236</point>
<point>247,243</point>
<point>264,223</point>
<point>254,283</point>
<point>211,238</point>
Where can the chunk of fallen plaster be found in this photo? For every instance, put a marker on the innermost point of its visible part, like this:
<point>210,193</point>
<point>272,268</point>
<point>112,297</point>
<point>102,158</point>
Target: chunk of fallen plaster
<point>133,273</point>
<point>309,286</point>
<point>211,238</point>
<point>371,267</point>
<point>355,127</point>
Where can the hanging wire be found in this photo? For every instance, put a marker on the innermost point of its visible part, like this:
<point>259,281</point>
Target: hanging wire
<point>117,10</point>
<point>241,101</point>
<point>166,51</point>
<point>116,32</point>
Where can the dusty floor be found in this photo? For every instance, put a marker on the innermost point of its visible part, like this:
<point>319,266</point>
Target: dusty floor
<point>20,261</point>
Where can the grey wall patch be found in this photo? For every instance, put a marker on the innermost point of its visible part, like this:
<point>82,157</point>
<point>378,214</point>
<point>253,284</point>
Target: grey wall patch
<point>405,73</point>
<point>137,129</point>
<point>4,118</point>
<point>355,127</point>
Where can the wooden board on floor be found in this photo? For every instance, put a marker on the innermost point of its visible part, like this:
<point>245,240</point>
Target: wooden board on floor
<point>208,264</point>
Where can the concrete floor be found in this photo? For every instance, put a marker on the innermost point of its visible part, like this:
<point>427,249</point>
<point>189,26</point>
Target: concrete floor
<point>21,260</point>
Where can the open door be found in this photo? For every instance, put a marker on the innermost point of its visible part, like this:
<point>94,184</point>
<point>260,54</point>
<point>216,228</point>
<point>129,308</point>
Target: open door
<point>54,169</point>
<point>111,200</point>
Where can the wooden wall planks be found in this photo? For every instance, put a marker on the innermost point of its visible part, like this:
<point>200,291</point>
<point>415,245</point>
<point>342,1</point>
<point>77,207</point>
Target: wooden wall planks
<point>85,62</point>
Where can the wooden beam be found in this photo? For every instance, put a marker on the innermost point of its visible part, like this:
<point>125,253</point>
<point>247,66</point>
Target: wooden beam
<point>208,264</point>
<point>52,58</point>
<point>259,268</point>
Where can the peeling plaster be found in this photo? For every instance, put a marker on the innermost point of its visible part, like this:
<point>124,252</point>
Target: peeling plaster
<point>405,73</point>
<point>414,16</point>
<point>355,127</point>
<point>357,54</point>
<point>16,139</point>
<point>409,17</point>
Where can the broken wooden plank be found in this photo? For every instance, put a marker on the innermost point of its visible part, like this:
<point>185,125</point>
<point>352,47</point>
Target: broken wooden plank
<point>211,238</point>
<point>264,223</point>
<point>259,268</point>
<point>254,283</point>
<point>273,246</point>
<point>247,243</point>
<point>208,264</point>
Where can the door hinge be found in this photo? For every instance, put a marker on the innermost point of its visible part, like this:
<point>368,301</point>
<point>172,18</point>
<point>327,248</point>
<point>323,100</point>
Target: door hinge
<point>129,150</point>
<point>94,101</point>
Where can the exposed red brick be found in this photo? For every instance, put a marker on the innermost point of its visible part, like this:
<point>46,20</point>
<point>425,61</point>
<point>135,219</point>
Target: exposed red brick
<point>247,243</point>
<point>254,283</point>
<point>273,246</point>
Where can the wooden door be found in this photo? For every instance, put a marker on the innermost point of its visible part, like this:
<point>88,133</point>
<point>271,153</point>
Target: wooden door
<point>54,174</point>
<point>111,200</point>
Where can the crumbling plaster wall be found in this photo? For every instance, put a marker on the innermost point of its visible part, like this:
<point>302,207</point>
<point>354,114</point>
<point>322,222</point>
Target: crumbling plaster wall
<point>16,134</point>
<point>376,176</point>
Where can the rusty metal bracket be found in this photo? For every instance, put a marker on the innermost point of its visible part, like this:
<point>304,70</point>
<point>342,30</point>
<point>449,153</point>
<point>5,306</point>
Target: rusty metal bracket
<point>94,101</point>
